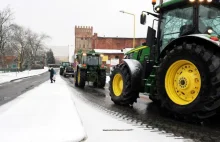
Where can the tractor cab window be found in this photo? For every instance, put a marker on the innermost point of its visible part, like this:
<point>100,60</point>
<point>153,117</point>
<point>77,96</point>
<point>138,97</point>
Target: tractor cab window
<point>175,23</point>
<point>130,55</point>
<point>93,60</point>
<point>209,19</point>
<point>66,64</point>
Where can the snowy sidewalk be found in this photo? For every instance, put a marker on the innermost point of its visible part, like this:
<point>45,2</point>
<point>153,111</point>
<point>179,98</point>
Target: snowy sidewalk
<point>44,114</point>
<point>7,77</point>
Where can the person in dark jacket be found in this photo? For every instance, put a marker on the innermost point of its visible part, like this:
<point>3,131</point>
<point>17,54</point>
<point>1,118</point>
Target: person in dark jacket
<point>51,70</point>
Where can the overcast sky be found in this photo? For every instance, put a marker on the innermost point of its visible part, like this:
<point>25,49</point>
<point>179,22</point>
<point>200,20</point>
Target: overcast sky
<point>57,18</point>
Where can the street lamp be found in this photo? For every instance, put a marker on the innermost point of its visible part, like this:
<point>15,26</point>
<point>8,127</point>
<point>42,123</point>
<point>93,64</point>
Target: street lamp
<point>134,25</point>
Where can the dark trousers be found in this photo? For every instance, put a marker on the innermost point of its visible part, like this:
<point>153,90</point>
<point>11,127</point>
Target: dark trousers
<point>51,79</point>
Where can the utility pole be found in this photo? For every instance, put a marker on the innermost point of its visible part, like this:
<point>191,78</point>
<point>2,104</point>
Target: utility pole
<point>134,26</point>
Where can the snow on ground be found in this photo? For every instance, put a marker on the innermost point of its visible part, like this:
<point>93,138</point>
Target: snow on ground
<point>107,79</point>
<point>102,127</point>
<point>43,114</point>
<point>7,77</point>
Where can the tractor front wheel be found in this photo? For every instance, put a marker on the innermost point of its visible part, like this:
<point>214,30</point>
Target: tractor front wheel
<point>120,86</point>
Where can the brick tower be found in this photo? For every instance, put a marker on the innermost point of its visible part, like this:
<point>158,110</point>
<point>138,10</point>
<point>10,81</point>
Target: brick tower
<point>83,38</point>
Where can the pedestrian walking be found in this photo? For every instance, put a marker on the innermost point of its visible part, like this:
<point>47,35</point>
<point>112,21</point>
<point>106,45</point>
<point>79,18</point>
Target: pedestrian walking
<point>51,70</point>
<point>54,76</point>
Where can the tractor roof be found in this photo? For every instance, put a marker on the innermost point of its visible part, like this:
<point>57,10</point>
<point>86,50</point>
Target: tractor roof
<point>92,52</point>
<point>171,2</point>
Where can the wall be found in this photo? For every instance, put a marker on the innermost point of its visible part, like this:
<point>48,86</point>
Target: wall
<point>83,38</point>
<point>115,42</point>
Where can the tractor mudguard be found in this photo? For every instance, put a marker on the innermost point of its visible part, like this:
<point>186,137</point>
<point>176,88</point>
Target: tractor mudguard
<point>194,38</point>
<point>135,70</point>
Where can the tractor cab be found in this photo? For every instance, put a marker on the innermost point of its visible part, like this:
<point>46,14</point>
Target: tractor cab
<point>179,18</point>
<point>89,59</point>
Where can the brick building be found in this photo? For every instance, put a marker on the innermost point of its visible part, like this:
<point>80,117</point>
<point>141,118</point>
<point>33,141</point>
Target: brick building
<point>114,42</point>
<point>114,47</point>
<point>110,47</point>
<point>8,61</point>
<point>83,38</point>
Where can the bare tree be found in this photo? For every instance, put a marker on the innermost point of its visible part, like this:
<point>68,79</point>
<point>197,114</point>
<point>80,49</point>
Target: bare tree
<point>19,43</point>
<point>36,43</point>
<point>5,33</point>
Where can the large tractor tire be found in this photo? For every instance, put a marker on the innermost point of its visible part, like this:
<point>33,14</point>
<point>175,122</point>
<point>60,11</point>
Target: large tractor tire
<point>80,78</point>
<point>61,71</point>
<point>188,81</point>
<point>120,86</point>
<point>101,79</point>
<point>76,80</point>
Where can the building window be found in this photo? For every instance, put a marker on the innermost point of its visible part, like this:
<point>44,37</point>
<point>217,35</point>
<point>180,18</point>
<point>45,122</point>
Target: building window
<point>83,45</point>
<point>116,57</point>
<point>81,38</point>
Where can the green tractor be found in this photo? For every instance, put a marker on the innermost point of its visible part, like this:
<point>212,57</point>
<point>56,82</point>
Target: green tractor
<point>63,66</point>
<point>90,69</point>
<point>179,68</point>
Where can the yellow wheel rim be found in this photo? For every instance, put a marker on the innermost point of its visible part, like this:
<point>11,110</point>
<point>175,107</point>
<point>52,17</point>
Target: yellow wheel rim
<point>117,84</point>
<point>183,82</point>
<point>78,77</point>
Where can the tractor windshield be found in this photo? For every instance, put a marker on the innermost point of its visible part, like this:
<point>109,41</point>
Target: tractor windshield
<point>175,23</point>
<point>66,64</point>
<point>209,18</point>
<point>93,60</point>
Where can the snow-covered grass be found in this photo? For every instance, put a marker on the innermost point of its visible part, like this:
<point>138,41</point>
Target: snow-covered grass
<point>7,77</point>
<point>43,114</point>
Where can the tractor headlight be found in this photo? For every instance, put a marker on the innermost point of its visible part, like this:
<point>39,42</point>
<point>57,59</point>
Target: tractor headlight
<point>158,9</point>
<point>210,31</point>
<point>192,0</point>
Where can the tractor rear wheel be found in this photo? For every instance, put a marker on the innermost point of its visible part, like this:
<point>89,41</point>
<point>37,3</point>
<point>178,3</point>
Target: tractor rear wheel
<point>81,78</point>
<point>76,81</point>
<point>188,81</point>
<point>61,71</point>
<point>120,86</point>
<point>101,79</point>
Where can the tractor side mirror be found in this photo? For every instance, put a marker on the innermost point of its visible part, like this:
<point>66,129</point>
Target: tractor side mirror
<point>143,19</point>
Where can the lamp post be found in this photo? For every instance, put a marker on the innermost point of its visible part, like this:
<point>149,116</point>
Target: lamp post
<point>134,25</point>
